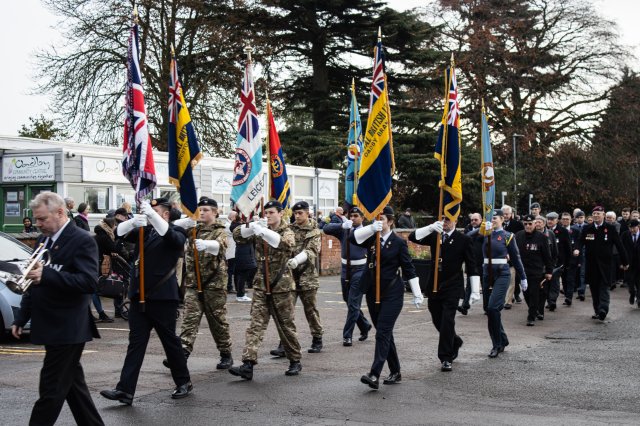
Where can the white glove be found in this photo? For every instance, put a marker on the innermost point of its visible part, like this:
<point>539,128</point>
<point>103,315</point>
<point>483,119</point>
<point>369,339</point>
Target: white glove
<point>418,298</point>
<point>488,226</point>
<point>347,224</point>
<point>271,237</point>
<point>186,223</point>
<point>426,230</point>
<point>297,260</point>
<point>161,225</point>
<point>361,234</point>
<point>262,222</point>
<point>523,285</point>
<point>247,231</point>
<point>127,226</point>
<point>209,246</point>
<point>257,228</point>
<point>475,289</point>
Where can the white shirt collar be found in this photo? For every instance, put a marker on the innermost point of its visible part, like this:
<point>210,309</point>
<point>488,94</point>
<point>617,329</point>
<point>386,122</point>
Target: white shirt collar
<point>384,238</point>
<point>57,234</point>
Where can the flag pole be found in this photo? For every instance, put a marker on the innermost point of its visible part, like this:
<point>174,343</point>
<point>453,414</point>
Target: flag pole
<point>378,218</point>
<point>443,171</point>
<point>489,254</point>
<point>356,154</point>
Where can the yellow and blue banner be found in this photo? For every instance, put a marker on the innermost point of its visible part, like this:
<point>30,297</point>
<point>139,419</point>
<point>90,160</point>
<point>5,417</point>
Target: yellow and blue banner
<point>280,189</point>
<point>184,152</point>
<point>354,149</point>
<point>488,175</point>
<point>448,148</point>
<point>377,164</point>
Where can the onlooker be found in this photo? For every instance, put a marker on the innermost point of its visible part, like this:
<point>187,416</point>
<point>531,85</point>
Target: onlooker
<point>230,253</point>
<point>70,204</point>
<point>127,207</point>
<point>245,264</point>
<point>406,220</point>
<point>106,240</point>
<point>28,225</point>
<point>82,218</point>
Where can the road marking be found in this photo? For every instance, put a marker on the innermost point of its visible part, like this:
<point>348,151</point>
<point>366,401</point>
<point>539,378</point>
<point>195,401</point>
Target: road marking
<point>335,301</point>
<point>113,328</point>
<point>13,350</point>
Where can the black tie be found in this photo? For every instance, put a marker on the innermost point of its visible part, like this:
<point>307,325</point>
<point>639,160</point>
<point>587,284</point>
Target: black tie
<point>445,238</point>
<point>49,243</point>
<point>635,237</point>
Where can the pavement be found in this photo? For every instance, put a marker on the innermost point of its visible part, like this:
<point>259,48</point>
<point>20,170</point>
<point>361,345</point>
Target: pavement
<point>567,369</point>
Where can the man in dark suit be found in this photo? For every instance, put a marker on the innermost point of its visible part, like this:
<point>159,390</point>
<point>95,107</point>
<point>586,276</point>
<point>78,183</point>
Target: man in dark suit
<point>455,249</point>
<point>163,246</point>
<point>597,241</point>
<point>630,241</point>
<point>563,241</point>
<point>58,304</point>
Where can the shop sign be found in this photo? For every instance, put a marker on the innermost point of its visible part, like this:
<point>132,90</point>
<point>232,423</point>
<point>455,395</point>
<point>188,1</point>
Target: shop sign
<point>28,168</point>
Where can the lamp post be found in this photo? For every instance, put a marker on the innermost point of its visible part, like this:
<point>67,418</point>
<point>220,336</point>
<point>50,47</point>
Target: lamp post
<point>504,194</point>
<point>515,176</point>
<point>317,195</point>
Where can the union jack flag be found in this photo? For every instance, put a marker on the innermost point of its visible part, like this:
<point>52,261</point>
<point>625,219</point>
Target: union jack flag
<point>137,161</point>
<point>377,85</point>
<point>453,116</point>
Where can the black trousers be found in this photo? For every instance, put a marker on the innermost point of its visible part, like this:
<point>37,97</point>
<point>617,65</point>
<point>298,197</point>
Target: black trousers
<point>532,295</point>
<point>384,318</point>
<point>443,313</point>
<point>159,315</point>
<point>62,378</point>
<point>231,269</point>
<point>243,277</point>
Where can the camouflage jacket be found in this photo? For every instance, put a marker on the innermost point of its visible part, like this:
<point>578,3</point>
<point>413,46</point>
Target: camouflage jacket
<point>307,240</point>
<point>278,257</point>
<point>213,269</point>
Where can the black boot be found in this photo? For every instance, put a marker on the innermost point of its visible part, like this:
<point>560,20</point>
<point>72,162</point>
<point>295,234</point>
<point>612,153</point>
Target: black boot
<point>225,362</point>
<point>279,351</point>
<point>186,353</point>
<point>316,345</point>
<point>245,370</point>
<point>294,368</point>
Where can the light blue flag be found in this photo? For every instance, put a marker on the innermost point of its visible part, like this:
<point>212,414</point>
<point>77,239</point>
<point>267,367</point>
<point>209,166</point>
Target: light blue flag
<point>354,148</point>
<point>488,176</point>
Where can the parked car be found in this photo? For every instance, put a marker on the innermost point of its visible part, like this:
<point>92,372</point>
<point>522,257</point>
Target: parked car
<point>12,253</point>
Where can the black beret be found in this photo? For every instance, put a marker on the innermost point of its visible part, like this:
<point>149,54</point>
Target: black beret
<point>535,205</point>
<point>272,204</point>
<point>529,218</point>
<point>634,222</point>
<point>356,210</point>
<point>205,201</point>
<point>164,202</point>
<point>300,205</point>
<point>498,212</point>
<point>387,211</point>
<point>579,213</point>
<point>122,211</point>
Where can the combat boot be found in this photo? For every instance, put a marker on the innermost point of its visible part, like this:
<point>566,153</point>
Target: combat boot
<point>316,345</point>
<point>294,368</point>
<point>245,370</point>
<point>225,361</point>
<point>165,361</point>
<point>279,351</point>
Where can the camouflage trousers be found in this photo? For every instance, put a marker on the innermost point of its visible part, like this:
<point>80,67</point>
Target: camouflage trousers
<point>215,309</point>
<point>309,303</point>
<point>281,308</point>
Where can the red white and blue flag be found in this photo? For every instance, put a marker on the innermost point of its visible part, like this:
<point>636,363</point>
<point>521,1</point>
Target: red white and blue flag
<point>378,83</point>
<point>137,160</point>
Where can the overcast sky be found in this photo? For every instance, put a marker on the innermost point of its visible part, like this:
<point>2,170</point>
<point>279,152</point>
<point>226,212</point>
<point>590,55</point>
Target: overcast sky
<point>26,26</point>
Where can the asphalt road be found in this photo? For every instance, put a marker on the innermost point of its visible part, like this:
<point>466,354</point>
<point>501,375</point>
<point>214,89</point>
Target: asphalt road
<point>568,369</point>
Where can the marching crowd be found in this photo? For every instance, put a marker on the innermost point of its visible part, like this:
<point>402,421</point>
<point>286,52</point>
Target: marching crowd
<point>537,258</point>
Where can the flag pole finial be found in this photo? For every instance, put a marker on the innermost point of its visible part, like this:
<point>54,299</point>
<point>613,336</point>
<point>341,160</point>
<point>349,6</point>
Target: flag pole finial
<point>353,84</point>
<point>248,50</point>
<point>173,51</point>
<point>135,14</point>
<point>452,60</point>
<point>483,105</point>
<point>379,33</point>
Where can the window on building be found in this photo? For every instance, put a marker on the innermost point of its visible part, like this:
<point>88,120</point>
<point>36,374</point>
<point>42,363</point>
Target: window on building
<point>97,197</point>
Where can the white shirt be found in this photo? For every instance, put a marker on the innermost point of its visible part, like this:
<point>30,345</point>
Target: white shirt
<point>56,235</point>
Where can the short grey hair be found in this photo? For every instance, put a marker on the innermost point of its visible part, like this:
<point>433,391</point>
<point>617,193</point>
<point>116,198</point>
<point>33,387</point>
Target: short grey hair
<point>51,200</point>
<point>68,200</point>
<point>611,214</point>
<point>506,209</point>
<point>542,218</point>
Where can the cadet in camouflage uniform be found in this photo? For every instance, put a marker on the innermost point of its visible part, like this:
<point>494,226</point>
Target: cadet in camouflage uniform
<point>274,234</point>
<point>305,273</point>
<point>211,242</point>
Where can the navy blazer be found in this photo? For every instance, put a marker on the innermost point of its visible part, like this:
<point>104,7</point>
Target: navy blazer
<point>161,253</point>
<point>59,306</point>
<point>394,255</point>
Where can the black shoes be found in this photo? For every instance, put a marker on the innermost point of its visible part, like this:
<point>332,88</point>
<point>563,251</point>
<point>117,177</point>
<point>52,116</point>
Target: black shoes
<point>463,310</point>
<point>316,345</point>
<point>294,369</point>
<point>530,323</point>
<point>518,300</point>
<point>446,366</point>
<point>278,352</point>
<point>347,341</point>
<point>365,334</point>
<point>245,371</point>
<point>225,362</point>
<point>551,307</point>
<point>371,380</point>
<point>632,299</point>
<point>567,302</point>
<point>457,344</point>
<point>581,297</point>
<point>103,317</point>
<point>182,391</point>
<point>594,316</point>
<point>602,315</point>
<point>540,317</point>
<point>118,395</point>
<point>507,306</point>
<point>494,353</point>
<point>393,379</point>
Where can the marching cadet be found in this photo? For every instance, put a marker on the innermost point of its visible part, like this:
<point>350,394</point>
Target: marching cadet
<point>163,246</point>
<point>275,244</point>
<point>354,264</point>
<point>305,273</point>
<point>597,241</point>
<point>456,248</point>
<point>211,242</point>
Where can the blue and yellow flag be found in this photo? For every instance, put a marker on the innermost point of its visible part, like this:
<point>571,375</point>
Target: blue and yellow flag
<point>280,189</point>
<point>487,173</point>
<point>448,148</point>
<point>377,165</point>
<point>184,153</point>
<point>354,149</point>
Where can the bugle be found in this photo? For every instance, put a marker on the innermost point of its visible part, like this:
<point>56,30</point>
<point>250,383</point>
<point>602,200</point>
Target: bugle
<point>20,284</point>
